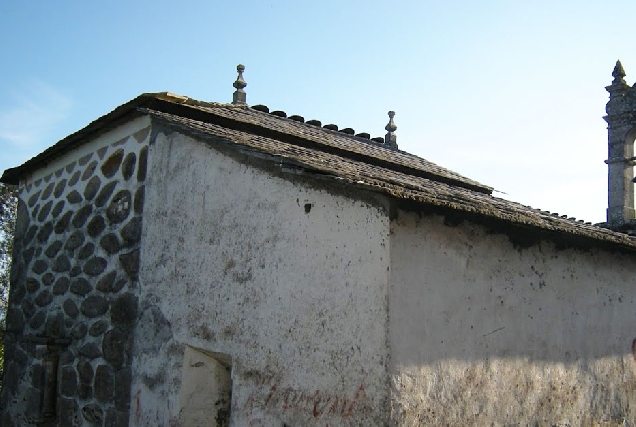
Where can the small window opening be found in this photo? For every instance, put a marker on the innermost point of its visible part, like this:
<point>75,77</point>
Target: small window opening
<point>206,388</point>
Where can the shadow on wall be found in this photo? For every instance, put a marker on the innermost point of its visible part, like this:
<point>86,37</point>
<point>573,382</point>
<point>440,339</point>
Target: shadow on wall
<point>461,293</point>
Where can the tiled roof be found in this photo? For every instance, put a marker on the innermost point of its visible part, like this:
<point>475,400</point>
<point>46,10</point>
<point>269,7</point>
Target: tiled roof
<point>348,145</point>
<point>248,119</point>
<point>354,160</point>
<point>410,188</point>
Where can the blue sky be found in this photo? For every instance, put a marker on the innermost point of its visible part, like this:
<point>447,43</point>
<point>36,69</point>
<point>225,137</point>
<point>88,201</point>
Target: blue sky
<point>509,93</point>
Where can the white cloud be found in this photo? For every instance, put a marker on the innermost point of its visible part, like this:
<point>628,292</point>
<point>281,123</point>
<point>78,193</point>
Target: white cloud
<point>29,113</point>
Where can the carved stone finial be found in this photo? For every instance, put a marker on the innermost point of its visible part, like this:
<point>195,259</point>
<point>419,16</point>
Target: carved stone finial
<point>617,89</point>
<point>390,139</point>
<point>240,97</point>
<point>618,74</point>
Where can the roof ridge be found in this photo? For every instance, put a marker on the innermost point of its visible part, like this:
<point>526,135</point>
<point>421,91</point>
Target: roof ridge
<point>186,100</point>
<point>297,133</point>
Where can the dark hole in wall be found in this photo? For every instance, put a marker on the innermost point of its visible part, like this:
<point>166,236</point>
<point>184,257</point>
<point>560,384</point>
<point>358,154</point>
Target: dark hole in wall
<point>307,207</point>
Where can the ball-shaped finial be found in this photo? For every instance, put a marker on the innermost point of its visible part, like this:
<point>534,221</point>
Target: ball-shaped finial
<point>239,96</point>
<point>240,84</point>
<point>389,139</point>
<point>391,127</point>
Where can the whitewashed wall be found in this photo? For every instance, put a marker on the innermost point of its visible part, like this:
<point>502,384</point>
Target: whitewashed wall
<point>289,281</point>
<point>483,333</point>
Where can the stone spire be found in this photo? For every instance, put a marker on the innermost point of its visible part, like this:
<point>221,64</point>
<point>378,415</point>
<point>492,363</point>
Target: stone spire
<point>240,97</point>
<point>621,125</point>
<point>389,139</point>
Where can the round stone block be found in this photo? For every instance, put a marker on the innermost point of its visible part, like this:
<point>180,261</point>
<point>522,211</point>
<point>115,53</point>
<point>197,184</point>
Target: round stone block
<point>119,207</point>
<point>85,371</point>
<point>81,286</point>
<point>95,266</point>
<point>70,308</point>
<point>139,199</point>
<point>131,232</point>
<point>130,263</point>
<point>44,298</point>
<point>40,266</point>
<point>110,243</point>
<point>93,413</point>
<point>79,331</point>
<point>74,178</point>
<point>96,226</point>
<point>32,284</point>
<point>94,306</point>
<point>45,232</point>
<point>61,264</point>
<point>59,188</point>
<point>58,208</point>
<point>128,168</point>
<point>111,165</point>
<point>105,283</point>
<point>61,286</point>
<point>82,215</point>
<point>74,197</point>
<point>89,170</point>
<point>123,311</point>
<point>53,249</point>
<point>86,251</point>
<point>98,328</point>
<point>92,187</point>
<point>104,195</point>
<point>90,351</point>
<point>61,225</point>
<point>75,240</point>
<point>47,191</point>
<point>44,212</point>
<point>37,320</point>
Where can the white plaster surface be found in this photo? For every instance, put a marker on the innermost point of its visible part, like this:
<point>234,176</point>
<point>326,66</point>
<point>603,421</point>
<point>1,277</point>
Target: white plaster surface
<point>482,333</point>
<point>231,262</point>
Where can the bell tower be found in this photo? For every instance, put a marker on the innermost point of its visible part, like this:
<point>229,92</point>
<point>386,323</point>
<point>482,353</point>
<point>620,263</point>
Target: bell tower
<point>621,129</point>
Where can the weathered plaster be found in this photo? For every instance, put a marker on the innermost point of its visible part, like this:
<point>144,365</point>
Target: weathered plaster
<point>482,333</point>
<point>288,280</point>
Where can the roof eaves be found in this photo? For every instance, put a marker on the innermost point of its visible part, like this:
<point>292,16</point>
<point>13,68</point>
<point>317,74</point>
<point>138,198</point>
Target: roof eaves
<point>97,127</point>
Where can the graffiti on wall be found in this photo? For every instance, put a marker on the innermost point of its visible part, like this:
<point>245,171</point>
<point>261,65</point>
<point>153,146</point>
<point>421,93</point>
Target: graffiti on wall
<point>270,395</point>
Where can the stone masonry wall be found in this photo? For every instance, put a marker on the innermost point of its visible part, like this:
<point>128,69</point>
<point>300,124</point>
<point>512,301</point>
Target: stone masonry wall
<point>73,300</point>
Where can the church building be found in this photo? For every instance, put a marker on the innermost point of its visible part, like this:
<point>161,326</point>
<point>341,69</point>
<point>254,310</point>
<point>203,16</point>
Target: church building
<point>187,263</point>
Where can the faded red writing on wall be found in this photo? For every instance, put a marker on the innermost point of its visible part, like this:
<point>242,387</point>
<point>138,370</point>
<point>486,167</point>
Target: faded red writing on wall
<point>318,403</point>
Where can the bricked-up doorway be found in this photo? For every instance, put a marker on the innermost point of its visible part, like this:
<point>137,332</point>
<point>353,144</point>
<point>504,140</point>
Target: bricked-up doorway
<point>206,389</point>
